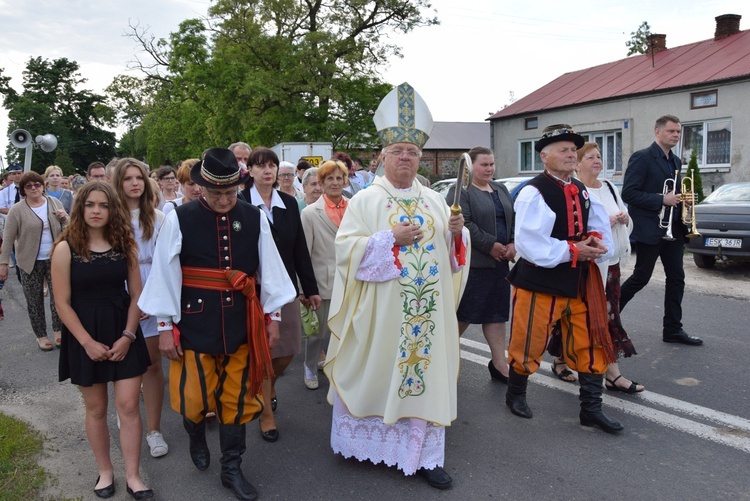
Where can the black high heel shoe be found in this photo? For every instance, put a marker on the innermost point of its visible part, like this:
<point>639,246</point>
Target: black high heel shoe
<point>496,374</point>
<point>144,494</point>
<point>105,492</point>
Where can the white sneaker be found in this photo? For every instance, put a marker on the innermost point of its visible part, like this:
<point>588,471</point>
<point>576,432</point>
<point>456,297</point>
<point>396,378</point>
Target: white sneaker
<point>157,444</point>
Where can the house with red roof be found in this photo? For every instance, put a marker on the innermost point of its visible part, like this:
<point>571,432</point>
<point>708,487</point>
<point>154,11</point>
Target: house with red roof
<point>706,84</point>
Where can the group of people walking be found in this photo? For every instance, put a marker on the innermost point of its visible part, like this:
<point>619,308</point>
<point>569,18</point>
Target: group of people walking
<point>394,276</point>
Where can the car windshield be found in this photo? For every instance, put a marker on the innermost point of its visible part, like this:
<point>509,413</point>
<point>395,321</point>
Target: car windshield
<point>733,192</point>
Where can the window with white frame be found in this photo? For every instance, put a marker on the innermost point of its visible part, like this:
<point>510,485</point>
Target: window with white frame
<point>529,160</point>
<point>712,141</point>
<point>610,146</point>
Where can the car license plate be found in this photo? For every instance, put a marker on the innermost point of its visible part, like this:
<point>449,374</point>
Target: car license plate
<point>732,243</point>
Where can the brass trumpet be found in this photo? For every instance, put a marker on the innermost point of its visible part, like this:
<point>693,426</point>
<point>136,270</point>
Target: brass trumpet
<point>688,200</point>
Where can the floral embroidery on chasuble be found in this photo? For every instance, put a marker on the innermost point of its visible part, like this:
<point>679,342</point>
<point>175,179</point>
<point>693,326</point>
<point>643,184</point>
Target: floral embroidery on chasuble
<point>394,349</point>
<point>420,277</point>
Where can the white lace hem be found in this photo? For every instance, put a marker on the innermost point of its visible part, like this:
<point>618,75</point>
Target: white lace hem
<point>409,444</point>
<point>378,263</point>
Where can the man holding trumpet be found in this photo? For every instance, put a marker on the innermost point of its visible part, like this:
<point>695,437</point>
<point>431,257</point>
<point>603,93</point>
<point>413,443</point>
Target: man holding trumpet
<point>650,190</point>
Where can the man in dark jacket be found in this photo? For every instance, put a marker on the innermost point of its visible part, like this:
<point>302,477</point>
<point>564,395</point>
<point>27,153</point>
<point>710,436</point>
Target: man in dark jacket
<point>643,191</point>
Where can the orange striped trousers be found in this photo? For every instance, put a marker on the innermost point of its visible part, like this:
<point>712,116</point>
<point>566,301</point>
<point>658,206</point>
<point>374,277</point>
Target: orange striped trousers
<point>534,314</point>
<point>199,383</point>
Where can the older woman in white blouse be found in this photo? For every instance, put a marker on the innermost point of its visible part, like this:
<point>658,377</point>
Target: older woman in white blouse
<point>588,170</point>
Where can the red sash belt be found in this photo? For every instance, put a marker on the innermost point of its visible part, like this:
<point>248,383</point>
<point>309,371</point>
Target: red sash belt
<point>596,306</point>
<point>259,352</point>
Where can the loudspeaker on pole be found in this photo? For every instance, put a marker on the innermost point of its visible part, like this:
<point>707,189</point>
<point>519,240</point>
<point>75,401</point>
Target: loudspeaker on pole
<point>47,142</point>
<point>20,138</point>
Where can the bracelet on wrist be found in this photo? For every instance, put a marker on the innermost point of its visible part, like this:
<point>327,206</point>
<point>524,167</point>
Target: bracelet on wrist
<point>129,335</point>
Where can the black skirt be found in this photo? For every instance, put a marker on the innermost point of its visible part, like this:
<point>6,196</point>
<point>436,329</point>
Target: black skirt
<point>486,299</point>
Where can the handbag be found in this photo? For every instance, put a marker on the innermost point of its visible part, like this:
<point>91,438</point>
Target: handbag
<point>310,323</point>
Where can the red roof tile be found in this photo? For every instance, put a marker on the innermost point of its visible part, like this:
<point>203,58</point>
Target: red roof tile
<point>693,64</point>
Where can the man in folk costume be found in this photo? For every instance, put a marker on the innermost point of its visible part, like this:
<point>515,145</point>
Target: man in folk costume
<point>394,352</point>
<point>559,230</point>
<point>209,256</point>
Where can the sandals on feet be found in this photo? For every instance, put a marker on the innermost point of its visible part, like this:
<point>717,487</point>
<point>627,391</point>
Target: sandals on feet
<point>563,375</point>
<point>44,344</point>
<point>633,388</point>
<point>58,339</point>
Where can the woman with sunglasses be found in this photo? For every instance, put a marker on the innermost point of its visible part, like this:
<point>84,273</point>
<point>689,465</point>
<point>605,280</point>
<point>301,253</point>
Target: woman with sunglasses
<point>32,225</point>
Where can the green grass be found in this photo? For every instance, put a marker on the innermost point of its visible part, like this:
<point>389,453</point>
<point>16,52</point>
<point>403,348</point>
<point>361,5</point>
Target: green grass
<point>20,474</point>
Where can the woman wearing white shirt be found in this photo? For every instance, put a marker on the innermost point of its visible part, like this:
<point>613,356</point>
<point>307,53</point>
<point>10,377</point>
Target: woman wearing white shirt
<point>133,187</point>
<point>286,226</point>
<point>588,170</point>
<point>32,226</point>
<point>190,190</point>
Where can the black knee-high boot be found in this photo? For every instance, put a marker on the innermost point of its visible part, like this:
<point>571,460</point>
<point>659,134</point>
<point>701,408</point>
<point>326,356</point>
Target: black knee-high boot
<point>591,403</point>
<point>199,452</point>
<point>515,398</point>
<point>232,440</point>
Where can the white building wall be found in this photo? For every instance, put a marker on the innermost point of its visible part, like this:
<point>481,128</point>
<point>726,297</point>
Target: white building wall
<point>635,118</point>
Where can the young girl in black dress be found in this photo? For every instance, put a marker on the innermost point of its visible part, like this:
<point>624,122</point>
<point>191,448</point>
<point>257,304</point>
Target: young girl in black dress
<point>101,341</point>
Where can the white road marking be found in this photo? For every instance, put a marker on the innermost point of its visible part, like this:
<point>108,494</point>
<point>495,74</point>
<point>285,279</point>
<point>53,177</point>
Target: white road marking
<point>734,432</point>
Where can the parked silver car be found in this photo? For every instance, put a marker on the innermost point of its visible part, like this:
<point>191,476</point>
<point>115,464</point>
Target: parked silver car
<point>512,183</point>
<point>723,221</point>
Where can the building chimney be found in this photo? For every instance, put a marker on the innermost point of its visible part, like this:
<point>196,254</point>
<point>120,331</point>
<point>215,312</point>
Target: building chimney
<point>727,25</point>
<point>657,43</point>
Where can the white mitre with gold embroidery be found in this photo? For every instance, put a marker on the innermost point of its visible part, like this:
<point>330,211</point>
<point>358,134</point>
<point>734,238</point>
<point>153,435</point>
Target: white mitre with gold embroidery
<point>403,117</point>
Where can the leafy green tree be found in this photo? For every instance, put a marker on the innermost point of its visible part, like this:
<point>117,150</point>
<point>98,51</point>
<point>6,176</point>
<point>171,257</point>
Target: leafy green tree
<point>639,43</point>
<point>50,103</point>
<point>63,160</point>
<point>131,99</point>
<point>273,71</point>
<point>695,173</point>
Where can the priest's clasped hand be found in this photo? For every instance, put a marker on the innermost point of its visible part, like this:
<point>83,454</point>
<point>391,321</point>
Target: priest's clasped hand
<point>406,233</point>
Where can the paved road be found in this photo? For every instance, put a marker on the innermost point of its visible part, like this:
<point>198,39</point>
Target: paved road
<point>687,437</point>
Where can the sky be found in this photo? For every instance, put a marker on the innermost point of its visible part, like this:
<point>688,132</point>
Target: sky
<point>484,54</point>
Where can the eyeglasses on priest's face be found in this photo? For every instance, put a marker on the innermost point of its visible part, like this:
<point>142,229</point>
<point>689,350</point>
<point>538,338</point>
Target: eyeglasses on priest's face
<point>409,153</point>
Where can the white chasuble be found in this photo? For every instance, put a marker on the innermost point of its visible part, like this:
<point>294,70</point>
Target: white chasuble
<point>394,349</point>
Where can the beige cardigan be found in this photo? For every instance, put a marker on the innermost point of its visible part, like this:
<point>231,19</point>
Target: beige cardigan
<point>24,229</point>
<point>320,233</point>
